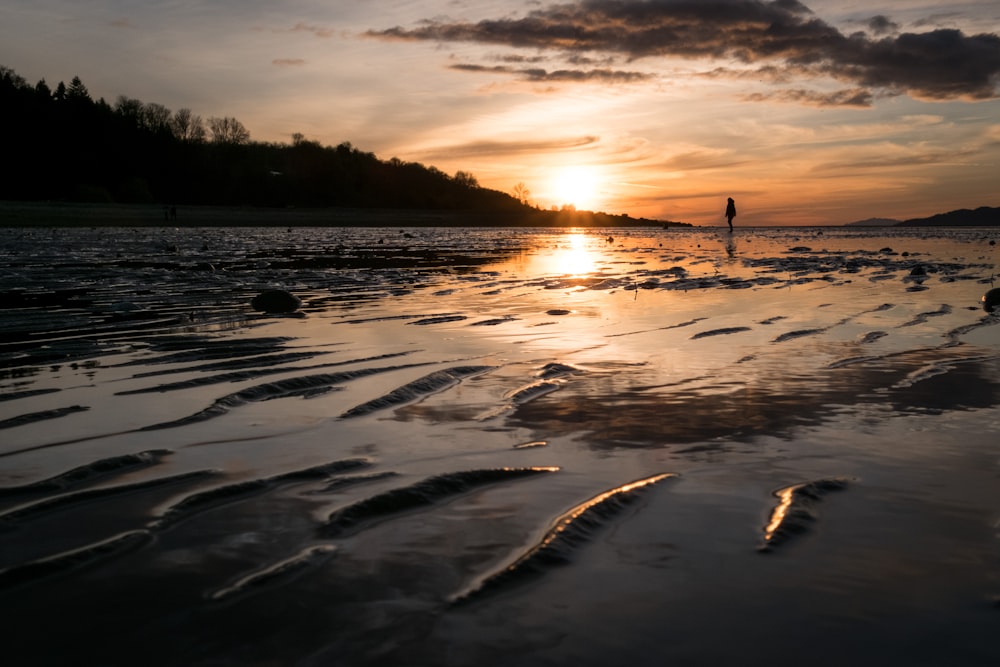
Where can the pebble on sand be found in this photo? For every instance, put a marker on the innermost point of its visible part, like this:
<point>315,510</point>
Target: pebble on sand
<point>276,301</point>
<point>991,300</point>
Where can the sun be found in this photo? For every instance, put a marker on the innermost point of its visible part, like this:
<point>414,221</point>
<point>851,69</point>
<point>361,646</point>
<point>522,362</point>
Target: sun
<point>577,186</point>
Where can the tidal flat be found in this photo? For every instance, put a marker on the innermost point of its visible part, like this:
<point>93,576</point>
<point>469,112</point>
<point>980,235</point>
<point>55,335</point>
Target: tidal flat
<point>499,446</point>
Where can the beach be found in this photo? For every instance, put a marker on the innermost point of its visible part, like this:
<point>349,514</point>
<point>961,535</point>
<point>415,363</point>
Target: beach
<point>499,446</point>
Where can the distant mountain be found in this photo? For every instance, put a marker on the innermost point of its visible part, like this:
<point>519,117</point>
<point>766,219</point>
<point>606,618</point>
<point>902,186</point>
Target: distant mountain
<point>874,222</point>
<point>984,216</point>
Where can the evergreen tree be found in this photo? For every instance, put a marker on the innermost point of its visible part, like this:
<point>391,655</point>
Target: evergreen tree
<point>77,92</point>
<point>43,90</point>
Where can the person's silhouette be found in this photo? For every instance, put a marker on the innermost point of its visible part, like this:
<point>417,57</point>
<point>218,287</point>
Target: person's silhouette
<point>730,212</point>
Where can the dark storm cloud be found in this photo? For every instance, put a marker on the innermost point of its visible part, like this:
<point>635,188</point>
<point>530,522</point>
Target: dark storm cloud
<point>940,64</point>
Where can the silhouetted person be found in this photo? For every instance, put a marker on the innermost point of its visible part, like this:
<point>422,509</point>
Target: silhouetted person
<point>730,212</point>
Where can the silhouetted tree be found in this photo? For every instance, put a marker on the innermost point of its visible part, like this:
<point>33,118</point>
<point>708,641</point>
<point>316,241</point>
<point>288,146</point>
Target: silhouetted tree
<point>69,147</point>
<point>522,193</point>
<point>466,179</point>
<point>77,92</point>
<point>156,117</point>
<point>187,126</point>
<point>130,110</point>
<point>11,79</point>
<point>227,130</point>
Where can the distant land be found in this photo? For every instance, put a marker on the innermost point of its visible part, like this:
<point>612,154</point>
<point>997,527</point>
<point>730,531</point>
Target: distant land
<point>79,214</point>
<point>72,160</point>
<point>984,216</point>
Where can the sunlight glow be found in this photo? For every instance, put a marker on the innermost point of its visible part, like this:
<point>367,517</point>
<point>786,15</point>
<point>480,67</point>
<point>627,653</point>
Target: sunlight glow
<point>574,260</point>
<point>577,186</point>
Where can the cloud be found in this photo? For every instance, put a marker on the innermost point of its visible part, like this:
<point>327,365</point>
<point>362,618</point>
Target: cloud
<point>853,97</point>
<point>318,31</point>
<point>537,74</point>
<point>894,157</point>
<point>288,62</point>
<point>499,148</point>
<point>942,18</point>
<point>703,159</point>
<point>881,25</point>
<point>939,64</point>
<point>512,58</point>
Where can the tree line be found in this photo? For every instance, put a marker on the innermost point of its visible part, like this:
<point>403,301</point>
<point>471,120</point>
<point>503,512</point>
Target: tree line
<point>62,145</point>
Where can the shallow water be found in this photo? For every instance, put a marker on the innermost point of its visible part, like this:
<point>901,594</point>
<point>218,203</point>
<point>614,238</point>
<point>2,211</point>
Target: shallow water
<point>499,447</point>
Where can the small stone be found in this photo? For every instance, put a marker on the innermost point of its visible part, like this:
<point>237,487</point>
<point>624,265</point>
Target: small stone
<point>991,300</point>
<point>276,301</point>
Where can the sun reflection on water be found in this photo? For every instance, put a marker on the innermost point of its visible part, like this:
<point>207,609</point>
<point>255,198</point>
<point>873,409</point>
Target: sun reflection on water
<point>575,260</point>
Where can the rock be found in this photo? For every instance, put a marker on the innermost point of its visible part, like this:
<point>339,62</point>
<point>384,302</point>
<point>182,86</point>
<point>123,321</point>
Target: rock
<point>124,307</point>
<point>276,301</point>
<point>991,300</point>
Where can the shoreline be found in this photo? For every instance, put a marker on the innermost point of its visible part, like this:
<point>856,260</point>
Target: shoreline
<point>72,214</point>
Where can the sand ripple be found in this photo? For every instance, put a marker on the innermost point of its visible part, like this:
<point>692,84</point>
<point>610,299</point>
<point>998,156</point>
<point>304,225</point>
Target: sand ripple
<point>422,494</point>
<point>568,532</point>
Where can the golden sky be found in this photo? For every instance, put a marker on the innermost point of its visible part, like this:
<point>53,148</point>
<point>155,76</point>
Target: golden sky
<point>815,112</point>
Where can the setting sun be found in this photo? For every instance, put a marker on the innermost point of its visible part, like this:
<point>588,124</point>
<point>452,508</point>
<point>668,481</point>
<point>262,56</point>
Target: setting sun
<point>577,186</point>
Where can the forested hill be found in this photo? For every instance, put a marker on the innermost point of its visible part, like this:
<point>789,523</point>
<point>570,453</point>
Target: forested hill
<point>62,145</point>
<point>984,216</point>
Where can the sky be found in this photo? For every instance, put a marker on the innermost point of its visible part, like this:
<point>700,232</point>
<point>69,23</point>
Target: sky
<point>806,113</point>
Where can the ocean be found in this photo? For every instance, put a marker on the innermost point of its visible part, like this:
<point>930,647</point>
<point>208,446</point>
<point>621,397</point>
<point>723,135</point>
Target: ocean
<point>499,446</point>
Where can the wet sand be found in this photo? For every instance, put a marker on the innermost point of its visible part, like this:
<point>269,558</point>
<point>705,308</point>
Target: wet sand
<point>499,447</point>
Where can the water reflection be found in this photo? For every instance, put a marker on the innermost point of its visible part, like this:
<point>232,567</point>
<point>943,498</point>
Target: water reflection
<point>575,260</point>
<point>731,247</point>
